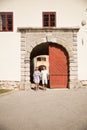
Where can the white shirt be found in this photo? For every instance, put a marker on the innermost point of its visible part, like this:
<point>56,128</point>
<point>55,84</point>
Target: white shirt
<point>44,73</point>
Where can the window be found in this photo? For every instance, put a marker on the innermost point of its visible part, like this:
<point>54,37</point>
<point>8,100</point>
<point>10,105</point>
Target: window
<point>41,59</point>
<point>6,21</point>
<point>49,19</point>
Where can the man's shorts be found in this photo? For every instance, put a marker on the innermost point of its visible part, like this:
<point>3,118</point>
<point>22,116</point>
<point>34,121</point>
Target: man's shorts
<point>44,81</point>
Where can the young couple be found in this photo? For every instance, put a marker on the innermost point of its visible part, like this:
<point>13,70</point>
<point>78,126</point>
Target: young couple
<point>37,75</point>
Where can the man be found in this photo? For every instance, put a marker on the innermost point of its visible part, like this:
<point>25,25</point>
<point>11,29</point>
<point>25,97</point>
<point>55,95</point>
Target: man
<point>44,75</point>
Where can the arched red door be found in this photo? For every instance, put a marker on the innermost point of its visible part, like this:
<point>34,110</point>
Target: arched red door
<point>58,67</point>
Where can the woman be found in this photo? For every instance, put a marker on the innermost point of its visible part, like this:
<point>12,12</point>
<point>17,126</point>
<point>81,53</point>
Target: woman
<point>36,78</point>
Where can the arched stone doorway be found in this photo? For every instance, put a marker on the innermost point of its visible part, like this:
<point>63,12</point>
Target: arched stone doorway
<point>58,63</point>
<point>33,39</point>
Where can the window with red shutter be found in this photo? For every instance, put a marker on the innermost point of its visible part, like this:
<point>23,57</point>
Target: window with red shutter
<point>6,21</point>
<point>49,19</point>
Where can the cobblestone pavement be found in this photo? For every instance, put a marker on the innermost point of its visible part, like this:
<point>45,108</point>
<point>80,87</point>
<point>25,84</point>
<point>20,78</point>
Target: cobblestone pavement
<point>53,109</point>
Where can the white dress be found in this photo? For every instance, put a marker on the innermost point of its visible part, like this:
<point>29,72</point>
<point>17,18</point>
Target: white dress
<point>36,77</point>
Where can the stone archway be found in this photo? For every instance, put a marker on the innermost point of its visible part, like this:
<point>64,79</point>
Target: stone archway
<point>32,37</point>
<point>44,49</point>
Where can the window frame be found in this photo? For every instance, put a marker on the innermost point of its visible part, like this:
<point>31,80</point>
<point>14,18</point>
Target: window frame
<point>6,20</point>
<point>49,22</point>
<point>41,59</point>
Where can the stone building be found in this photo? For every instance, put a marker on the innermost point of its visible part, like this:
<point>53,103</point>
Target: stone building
<point>40,35</point>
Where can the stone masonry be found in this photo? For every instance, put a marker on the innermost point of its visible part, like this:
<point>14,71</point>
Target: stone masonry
<point>31,37</point>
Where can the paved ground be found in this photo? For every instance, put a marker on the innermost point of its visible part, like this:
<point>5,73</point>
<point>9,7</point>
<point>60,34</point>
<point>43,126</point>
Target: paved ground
<point>54,109</point>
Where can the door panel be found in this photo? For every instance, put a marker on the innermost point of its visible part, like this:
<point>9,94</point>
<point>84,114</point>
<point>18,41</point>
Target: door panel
<point>58,67</point>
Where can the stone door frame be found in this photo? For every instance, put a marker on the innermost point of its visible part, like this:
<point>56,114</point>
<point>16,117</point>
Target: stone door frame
<point>31,37</point>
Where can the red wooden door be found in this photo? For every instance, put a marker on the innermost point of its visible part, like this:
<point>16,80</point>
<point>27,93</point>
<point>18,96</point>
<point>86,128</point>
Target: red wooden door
<point>58,62</point>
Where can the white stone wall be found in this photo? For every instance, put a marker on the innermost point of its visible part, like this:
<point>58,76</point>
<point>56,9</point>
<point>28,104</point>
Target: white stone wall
<point>28,13</point>
<point>5,84</point>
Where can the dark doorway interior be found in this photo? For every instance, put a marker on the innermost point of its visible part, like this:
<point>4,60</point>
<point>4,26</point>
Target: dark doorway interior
<point>41,49</point>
